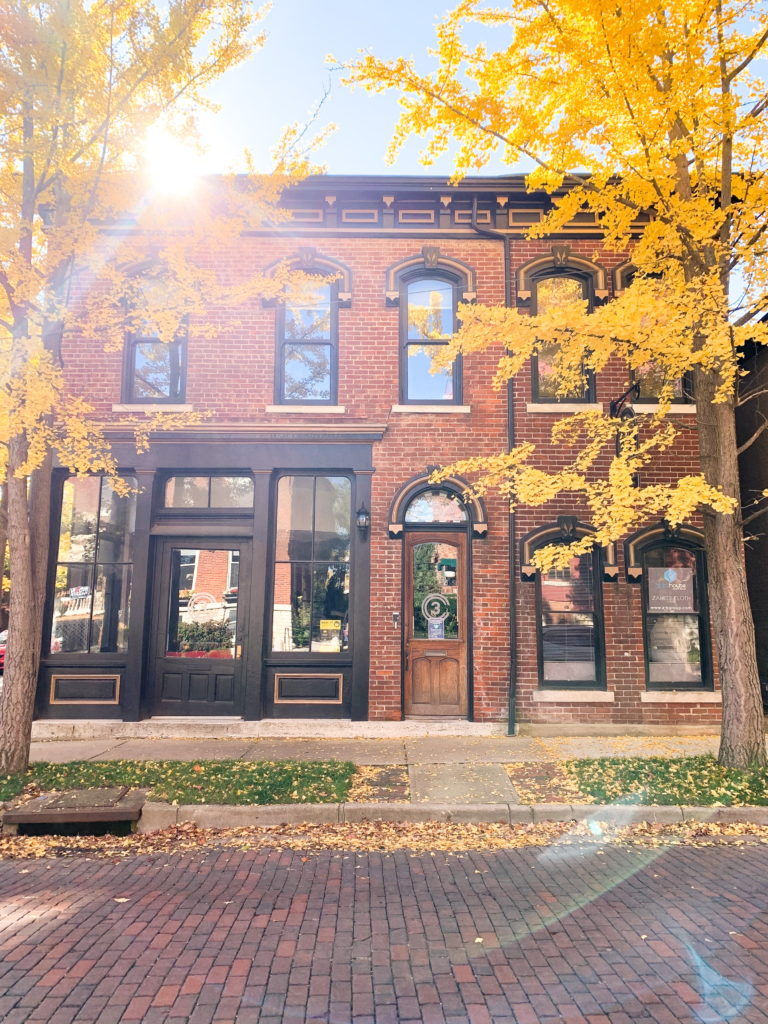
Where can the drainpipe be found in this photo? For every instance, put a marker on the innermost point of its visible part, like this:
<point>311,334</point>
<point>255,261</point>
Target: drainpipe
<point>512,713</point>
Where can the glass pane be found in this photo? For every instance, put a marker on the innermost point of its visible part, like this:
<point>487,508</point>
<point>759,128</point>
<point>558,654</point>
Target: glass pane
<point>111,605</point>
<point>674,649</point>
<point>156,370</point>
<point>307,373</point>
<point>333,511</point>
<point>437,506</point>
<point>187,492</point>
<point>422,383</point>
<point>651,379</point>
<point>202,614</point>
<point>292,607</point>
<point>670,580</point>
<point>568,647</point>
<point>311,317</point>
<point>435,591</point>
<point>117,524</point>
<point>546,379</point>
<point>79,517</point>
<point>430,309</point>
<point>71,608</point>
<point>553,292</point>
<point>231,492</point>
<point>568,622</point>
<point>294,518</point>
<point>330,608</point>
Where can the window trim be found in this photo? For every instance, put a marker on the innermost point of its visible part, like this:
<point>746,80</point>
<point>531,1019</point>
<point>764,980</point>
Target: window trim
<point>220,511</point>
<point>686,398</point>
<point>707,683</point>
<point>600,680</point>
<point>332,341</point>
<point>588,292</point>
<point>457,286</point>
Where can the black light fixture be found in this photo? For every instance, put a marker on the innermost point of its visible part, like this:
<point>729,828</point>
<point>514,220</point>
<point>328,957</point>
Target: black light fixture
<point>620,408</point>
<point>363,519</point>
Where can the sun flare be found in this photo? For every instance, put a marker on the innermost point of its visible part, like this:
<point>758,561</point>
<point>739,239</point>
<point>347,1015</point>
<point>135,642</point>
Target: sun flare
<point>172,166</point>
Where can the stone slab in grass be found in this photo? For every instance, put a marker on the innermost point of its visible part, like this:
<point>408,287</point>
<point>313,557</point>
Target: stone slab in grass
<point>105,803</point>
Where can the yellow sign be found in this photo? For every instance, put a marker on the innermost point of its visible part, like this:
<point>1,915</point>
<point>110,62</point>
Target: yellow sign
<point>330,624</point>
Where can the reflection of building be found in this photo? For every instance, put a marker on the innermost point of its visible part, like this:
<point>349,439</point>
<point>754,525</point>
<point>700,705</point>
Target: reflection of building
<point>290,541</point>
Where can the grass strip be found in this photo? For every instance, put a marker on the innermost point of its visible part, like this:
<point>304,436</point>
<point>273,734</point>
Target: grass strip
<point>697,781</point>
<point>195,782</point>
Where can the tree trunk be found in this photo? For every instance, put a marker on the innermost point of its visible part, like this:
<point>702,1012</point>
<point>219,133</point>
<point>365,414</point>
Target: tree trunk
<point>23,654</point>
<point>742,740</point>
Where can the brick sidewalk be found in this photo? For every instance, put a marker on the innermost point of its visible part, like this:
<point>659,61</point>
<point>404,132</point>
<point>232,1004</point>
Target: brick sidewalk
<point>569,934</point>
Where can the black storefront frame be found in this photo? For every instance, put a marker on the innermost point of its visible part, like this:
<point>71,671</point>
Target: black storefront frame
<point>264,455</point>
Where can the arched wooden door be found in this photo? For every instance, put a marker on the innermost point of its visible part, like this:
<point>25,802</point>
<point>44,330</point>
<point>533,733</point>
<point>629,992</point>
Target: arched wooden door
<point>436,624</point>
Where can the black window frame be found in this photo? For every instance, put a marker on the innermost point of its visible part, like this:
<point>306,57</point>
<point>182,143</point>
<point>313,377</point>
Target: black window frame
<point>686,398</point>
<point>707,683</point>
<point>177,347</point>
<point>219,511</point>
<point>457,286</point>
<point>281,343</point>
<point>588,292</point>
<point>600,680</point>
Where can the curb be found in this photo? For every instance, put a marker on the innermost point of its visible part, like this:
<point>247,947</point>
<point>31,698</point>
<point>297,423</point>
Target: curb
<point>157,815</point>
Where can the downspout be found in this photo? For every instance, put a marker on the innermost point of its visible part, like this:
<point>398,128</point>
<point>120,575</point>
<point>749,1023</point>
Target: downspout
<point>512,591</point>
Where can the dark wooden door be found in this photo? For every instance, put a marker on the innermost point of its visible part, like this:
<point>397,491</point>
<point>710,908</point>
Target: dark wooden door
<point>198,622</point>
<point>436,624</point>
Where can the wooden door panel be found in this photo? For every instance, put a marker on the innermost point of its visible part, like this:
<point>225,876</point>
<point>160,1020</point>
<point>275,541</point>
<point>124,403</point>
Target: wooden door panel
<point>435,600</point>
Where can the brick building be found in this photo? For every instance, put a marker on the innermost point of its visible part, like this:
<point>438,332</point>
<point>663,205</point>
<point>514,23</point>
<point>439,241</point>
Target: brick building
<point>289,557</point>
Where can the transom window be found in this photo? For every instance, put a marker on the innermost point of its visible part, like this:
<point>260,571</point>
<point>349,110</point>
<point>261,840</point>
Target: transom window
<point>438,505</point>
<point>550,293</point>
<point>674,616</point>
<point>570,624</point>
<point>92,589</point>
<point>208,492</point>
<point>427,326</point>
<point>311,599</point>
<point>307,342</point>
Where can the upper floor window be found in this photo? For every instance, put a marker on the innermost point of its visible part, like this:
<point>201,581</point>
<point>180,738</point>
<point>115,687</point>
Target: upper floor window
<point>428,321</point>
<point>549,293</point>
<point>675,620</point>
<point>652,380</point>
<point>570,624</point>
<point>154,370</point>
<point>307,347</point>
<point>92,587</point>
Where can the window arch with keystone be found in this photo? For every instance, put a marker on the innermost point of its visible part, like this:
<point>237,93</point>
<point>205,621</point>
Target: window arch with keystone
<point>427,289</point>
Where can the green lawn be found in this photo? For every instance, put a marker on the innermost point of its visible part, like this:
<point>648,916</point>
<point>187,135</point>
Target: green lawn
<point>191,782</point>
<point>667,780</point>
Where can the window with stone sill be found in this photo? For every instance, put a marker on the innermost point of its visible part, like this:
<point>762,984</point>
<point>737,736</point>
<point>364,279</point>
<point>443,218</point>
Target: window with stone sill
<point>551,290</point>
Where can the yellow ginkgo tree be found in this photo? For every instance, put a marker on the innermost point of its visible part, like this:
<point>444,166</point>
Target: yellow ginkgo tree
<point>81,83</point>
<point>652,116</point>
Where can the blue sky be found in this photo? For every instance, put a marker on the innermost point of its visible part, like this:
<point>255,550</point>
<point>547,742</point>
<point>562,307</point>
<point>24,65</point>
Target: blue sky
<point>283,81</point>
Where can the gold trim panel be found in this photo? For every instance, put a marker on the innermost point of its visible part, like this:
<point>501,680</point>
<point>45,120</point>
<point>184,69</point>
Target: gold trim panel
<point>338,676</point>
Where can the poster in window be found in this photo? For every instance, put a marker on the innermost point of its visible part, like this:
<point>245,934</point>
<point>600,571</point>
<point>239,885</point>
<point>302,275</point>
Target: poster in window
<point>671,590</point>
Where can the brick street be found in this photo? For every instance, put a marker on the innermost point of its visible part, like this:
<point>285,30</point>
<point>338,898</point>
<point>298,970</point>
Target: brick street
<point>584,935</point>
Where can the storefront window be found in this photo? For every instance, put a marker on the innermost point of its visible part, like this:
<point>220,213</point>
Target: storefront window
<point>674,627</point>
<point>93,572</point>
<point>312,573</point>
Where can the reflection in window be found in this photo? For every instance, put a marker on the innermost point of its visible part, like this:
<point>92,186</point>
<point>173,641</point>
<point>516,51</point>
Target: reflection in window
<point>436,506</point>
<point>202,613</point>
<point>312,552</point>
<point>652,379</point>
<point>569,624</point>
<point>209,492</point>
<point>154,369</point>
<point>430,324</point>
<point>435,592</point>
<point>93,572</point>
<point>673,620</point>
<point>550,294</point>
<point>307,347</point>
